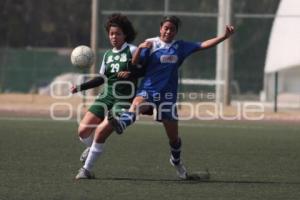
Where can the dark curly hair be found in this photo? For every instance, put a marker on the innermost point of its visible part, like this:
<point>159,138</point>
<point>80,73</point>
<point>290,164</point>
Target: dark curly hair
<point>121,21</point>
<point>173,19</point>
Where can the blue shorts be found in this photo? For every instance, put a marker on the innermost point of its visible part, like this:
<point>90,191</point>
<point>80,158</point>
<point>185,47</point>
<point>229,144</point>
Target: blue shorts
<point>165,104</point>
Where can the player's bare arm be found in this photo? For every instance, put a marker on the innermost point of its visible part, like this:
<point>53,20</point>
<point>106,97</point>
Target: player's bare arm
<point>214,41</point>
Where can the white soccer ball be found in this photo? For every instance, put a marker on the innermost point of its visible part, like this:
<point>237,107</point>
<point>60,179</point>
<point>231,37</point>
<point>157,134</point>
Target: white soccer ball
<point>82,56</point>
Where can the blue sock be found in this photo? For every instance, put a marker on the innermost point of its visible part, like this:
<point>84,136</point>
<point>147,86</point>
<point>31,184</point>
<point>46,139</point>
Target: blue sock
<point>175,152</point>
<point>127,118</point>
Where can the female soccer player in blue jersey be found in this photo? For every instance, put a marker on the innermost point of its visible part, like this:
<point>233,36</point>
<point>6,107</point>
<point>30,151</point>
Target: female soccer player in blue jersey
<point>163,56</point>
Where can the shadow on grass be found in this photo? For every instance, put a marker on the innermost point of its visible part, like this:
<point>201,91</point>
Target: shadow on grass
<point>193,181</point>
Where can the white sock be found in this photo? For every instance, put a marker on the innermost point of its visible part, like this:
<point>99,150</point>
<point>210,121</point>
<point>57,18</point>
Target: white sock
<point>87,141</point>
<point>95,152</point>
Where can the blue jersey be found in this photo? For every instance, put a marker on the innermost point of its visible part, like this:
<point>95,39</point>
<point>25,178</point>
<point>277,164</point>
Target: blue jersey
<point>162,63</point>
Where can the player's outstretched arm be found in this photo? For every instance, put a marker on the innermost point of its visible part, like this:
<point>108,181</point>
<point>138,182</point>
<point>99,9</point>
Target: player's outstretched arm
<point>214,41</point>
<point>95,82</point>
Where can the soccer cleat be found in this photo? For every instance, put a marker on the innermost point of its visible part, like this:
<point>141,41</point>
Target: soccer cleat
<point>84,155</point>
<point>84,174</point>
<point>180,169</point>
<point>116,124</point>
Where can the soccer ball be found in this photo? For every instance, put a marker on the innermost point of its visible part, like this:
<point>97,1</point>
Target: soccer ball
<point>82,56</point>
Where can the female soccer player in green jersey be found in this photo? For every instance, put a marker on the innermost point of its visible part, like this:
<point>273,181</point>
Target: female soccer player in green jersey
<point>94,128</point>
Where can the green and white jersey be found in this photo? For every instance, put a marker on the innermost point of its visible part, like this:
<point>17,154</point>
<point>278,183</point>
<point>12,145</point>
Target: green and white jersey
<point>115,61</point>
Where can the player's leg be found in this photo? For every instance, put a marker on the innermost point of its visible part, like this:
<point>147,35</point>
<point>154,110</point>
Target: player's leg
<point>90,122</point>
<point>86,127</point>
<point>85,132</point>
<point>126,118</point>
<point>167,113</point>
<point>102,132</point>
<point>171,128</point>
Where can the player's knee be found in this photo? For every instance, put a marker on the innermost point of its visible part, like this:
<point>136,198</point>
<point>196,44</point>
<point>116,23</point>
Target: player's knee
<point>134,106</point>
<point>137,106</point>
<point>84,132</point>
<point>137,101</point>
